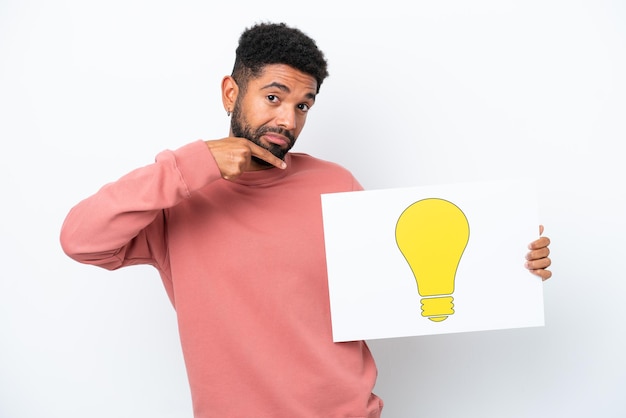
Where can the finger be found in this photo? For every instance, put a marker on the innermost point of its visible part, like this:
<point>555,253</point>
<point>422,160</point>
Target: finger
<point>544,274</point>
<point>266,155</point>
<point>539,243</point>
<point>537,254</point>
<point>541,263</point>
<point>540,229</point>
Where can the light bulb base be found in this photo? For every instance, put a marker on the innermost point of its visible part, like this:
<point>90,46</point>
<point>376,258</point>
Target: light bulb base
<point>437,309</point>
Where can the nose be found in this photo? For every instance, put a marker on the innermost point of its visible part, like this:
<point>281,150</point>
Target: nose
<point>286,118</point>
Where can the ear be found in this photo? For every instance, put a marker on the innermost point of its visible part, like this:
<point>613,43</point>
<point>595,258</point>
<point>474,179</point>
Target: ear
<point>230,90</point>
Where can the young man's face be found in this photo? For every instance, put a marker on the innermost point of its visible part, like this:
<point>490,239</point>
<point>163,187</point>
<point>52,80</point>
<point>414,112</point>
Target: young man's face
<point>273,110</point>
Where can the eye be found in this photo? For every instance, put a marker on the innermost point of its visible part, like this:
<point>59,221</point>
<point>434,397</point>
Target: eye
<point>304,107</point>
<point>272,98</point>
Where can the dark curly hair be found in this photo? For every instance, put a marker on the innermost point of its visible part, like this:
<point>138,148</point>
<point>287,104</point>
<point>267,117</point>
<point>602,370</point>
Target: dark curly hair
<point>277,43</point>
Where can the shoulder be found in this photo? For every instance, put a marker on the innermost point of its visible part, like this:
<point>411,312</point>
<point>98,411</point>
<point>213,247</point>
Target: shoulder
<point>304,161</point>
<point>324,170</point>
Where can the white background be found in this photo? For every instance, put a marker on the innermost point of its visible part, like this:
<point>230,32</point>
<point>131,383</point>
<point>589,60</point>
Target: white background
<point>419,93</point>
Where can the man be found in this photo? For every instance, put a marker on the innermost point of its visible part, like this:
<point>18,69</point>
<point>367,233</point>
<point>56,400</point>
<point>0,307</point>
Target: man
<point>234,227</point>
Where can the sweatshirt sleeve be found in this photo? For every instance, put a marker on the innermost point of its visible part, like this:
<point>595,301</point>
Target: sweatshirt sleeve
<point>123,223</point>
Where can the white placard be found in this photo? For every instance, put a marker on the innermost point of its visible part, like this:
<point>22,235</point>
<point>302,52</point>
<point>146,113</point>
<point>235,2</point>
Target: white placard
<point>431,260</point>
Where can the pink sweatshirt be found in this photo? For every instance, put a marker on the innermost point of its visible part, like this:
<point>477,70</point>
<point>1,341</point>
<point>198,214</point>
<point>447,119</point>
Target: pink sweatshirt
<point>244,266</point>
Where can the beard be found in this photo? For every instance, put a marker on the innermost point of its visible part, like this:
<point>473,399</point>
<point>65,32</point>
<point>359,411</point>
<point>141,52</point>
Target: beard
<point>241,128</point>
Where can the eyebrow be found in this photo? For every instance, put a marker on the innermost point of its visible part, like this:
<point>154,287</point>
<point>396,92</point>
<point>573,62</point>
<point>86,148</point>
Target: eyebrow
<point>286,89</point>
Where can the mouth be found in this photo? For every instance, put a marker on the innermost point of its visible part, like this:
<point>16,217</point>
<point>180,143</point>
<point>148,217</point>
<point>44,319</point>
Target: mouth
<point>277,139</point>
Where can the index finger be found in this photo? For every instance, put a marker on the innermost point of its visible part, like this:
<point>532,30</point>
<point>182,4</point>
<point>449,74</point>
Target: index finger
<point>267,156</point>
<point>539,243</point>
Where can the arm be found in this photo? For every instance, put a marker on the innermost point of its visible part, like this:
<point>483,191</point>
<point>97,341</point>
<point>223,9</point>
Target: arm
<point>122,223</point>
<point>537,258</point>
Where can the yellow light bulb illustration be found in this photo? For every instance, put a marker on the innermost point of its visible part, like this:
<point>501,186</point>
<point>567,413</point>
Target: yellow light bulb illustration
<point>432,235</point>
